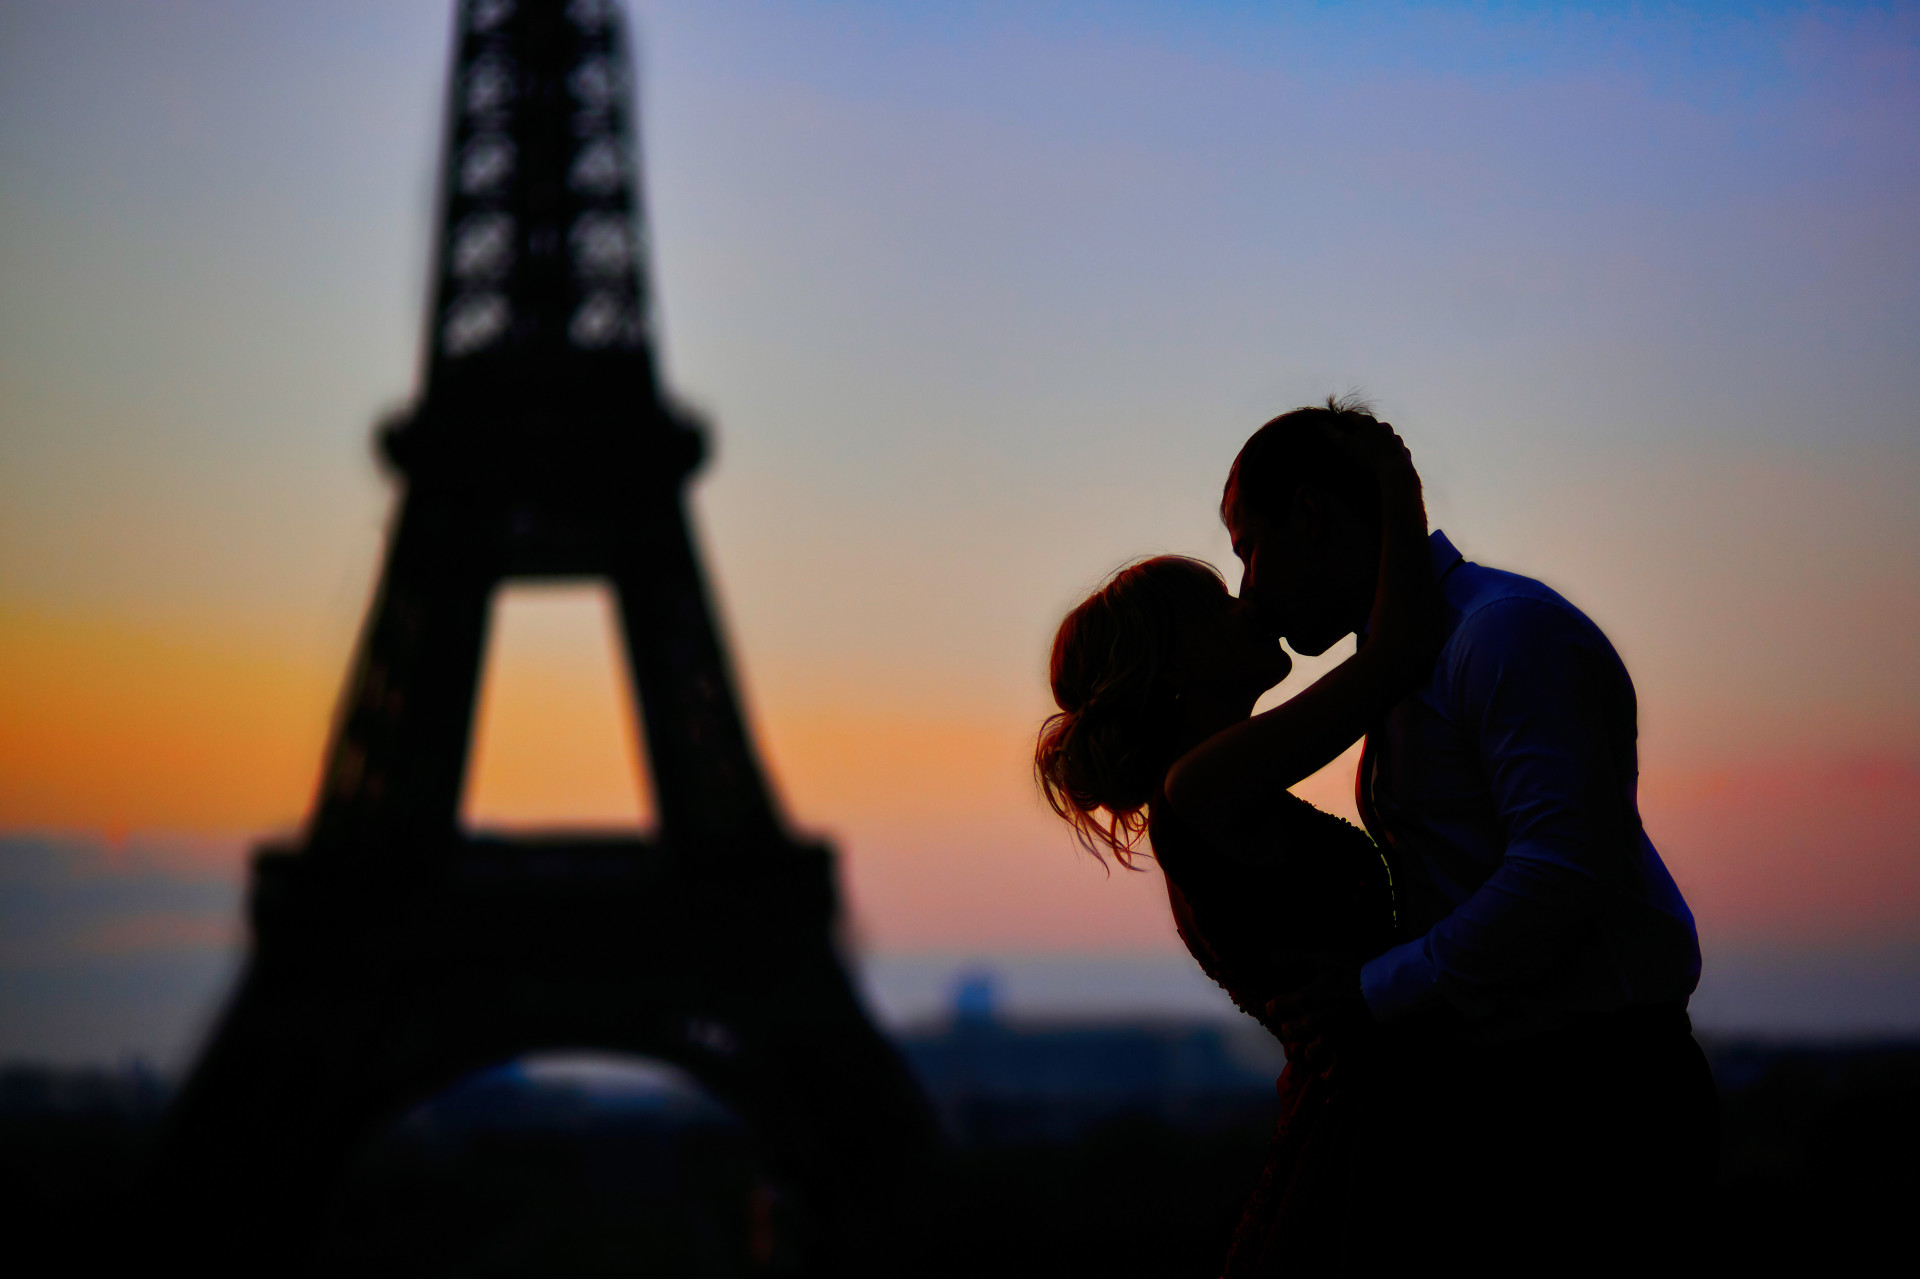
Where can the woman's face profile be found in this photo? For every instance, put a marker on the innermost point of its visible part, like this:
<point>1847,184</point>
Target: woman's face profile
<point>1222,651</point>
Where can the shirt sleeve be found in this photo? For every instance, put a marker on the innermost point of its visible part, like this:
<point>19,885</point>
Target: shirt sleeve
<point>1553,716</point>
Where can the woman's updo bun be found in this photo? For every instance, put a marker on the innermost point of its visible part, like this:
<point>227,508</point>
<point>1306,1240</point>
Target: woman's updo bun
<point>1102,757</point>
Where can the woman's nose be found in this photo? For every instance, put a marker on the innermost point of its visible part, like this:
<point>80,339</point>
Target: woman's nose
<point>1247,608</point>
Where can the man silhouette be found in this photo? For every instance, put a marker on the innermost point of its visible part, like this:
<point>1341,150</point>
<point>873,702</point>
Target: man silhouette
<point>1546,1092</point>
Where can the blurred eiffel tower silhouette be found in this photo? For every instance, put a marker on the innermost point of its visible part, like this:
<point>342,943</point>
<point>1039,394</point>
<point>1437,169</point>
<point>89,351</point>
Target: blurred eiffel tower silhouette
<point>392,953</point>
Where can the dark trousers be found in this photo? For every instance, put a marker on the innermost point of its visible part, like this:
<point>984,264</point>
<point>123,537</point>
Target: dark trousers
<point>1594,1146</point>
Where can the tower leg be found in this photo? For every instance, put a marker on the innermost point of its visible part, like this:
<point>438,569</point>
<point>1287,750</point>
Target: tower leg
<point>399,752</point>
<point>706,779</point>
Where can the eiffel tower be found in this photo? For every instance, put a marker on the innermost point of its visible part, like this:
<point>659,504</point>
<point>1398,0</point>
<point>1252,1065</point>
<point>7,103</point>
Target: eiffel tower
<point>392,953</point>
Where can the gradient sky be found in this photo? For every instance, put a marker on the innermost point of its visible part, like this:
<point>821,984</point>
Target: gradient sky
<point>981,299</point>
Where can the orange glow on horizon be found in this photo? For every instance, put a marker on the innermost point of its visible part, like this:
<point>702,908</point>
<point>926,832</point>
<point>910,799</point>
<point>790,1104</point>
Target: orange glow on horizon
<point>106,728</point>
<point>109,727</point>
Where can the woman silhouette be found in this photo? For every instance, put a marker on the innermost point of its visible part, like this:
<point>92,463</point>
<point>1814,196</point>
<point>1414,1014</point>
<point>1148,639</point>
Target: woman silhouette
<point>1156,675</point>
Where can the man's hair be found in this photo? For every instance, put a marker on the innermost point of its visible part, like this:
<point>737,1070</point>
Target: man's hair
<point>1293,451</point>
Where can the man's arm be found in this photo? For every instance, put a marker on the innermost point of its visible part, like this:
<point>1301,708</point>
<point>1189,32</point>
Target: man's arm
<point>1226,785</point>
<point>1553,715</point>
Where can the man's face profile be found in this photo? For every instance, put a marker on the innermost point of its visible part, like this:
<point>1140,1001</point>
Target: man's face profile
<point>1287,585</point>
<point>1257,545</point>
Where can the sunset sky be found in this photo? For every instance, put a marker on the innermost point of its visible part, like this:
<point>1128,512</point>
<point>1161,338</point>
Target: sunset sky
<point>981,299</point>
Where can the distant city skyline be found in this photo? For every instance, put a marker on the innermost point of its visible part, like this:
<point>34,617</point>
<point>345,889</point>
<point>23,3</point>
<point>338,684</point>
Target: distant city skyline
<point>981,299</point>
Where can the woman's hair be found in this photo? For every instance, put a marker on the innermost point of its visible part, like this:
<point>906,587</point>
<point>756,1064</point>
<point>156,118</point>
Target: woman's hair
<point>1101,758</point>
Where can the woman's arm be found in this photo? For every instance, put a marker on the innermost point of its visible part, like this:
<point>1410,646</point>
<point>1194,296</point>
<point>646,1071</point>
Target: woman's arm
<point>1227,781</point>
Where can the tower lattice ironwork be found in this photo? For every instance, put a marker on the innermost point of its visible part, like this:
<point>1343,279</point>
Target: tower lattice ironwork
<point>392,952</point>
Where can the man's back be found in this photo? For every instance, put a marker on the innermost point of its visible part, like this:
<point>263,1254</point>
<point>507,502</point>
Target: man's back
<point>1503,790</point>
<point>1543,1058</point>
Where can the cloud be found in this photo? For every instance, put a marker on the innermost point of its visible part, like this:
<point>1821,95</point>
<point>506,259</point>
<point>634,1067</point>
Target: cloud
<point>112,952</point>
<point>1789,854</point>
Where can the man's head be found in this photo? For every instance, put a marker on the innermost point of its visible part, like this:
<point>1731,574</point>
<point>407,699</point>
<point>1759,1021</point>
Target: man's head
<point>1305,522</point>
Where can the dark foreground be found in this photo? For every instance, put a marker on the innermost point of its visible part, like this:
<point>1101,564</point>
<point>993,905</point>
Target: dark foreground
<point>511,1176</point>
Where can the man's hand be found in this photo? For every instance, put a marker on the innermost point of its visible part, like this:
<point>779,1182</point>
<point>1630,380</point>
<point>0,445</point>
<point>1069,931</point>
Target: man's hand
<point>1320,1015</point>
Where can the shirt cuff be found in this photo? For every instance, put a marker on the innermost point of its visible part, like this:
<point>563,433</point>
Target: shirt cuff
<point>1400,980</point>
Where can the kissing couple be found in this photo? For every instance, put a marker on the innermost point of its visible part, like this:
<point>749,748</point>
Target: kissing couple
<point>1483,997</point>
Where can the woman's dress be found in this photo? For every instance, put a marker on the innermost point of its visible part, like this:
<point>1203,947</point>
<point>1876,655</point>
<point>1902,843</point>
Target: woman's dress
<point>1308,883</point>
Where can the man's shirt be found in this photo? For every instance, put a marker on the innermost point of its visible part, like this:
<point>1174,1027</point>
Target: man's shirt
<point>1503,791</point>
